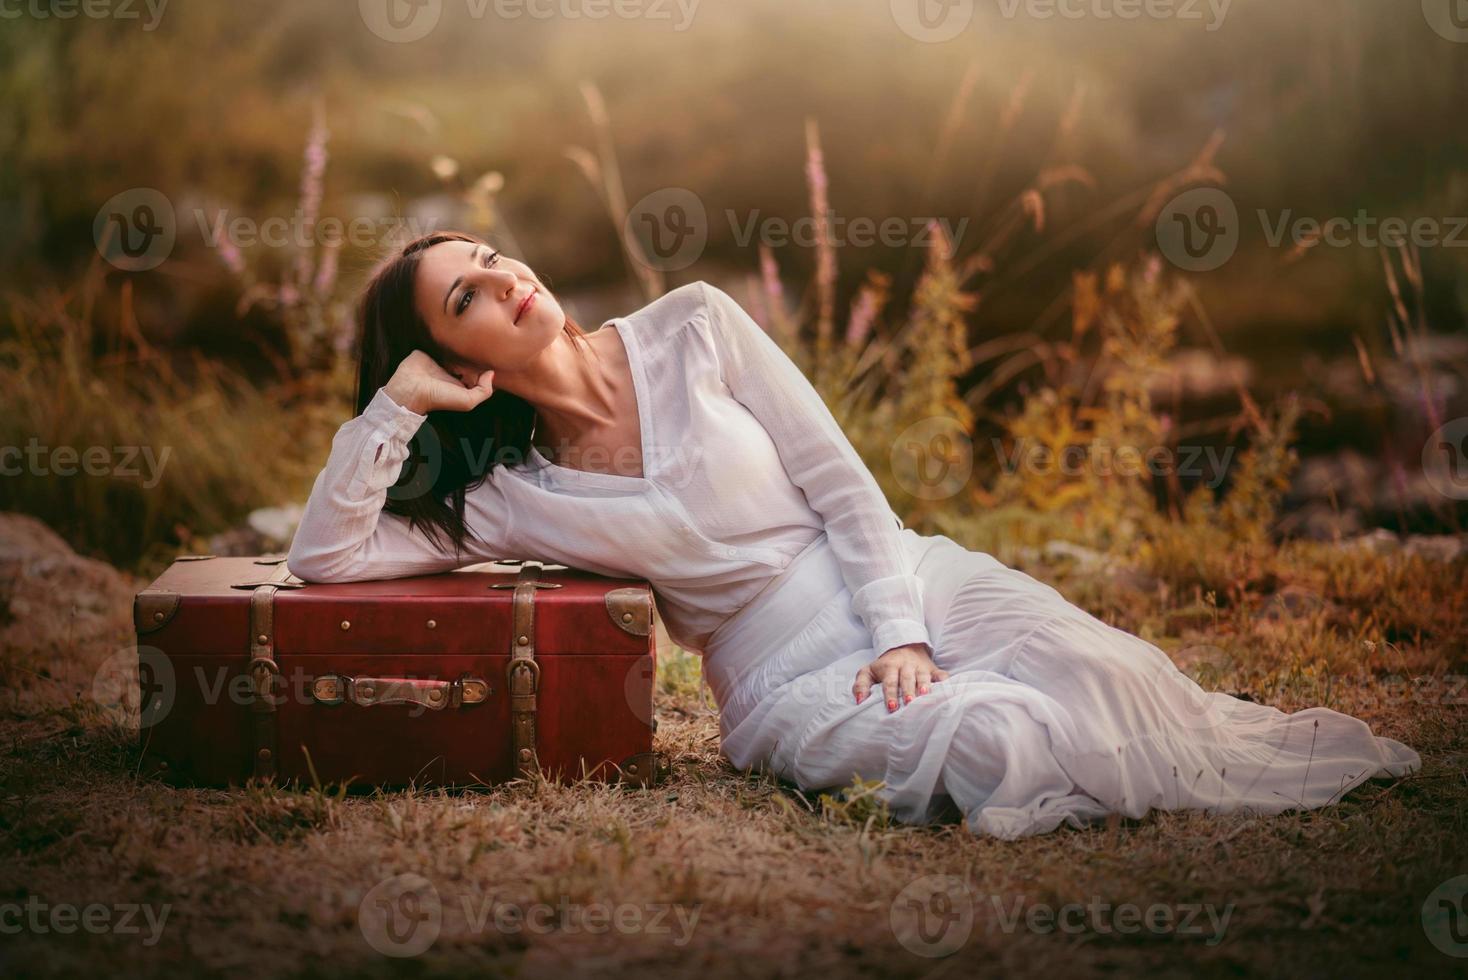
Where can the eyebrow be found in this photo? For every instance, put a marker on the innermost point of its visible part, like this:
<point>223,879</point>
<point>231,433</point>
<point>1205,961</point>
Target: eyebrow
<point>473,257</point>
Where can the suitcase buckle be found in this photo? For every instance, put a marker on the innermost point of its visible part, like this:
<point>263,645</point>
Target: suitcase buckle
<point>329,689</point>
<point>262,671</point>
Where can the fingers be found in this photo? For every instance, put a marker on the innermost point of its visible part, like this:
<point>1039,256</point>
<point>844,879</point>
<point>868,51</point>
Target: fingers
<point>907,681</point>
<point>461,397</point>
<point>902,679</point>
<point>890,687</point>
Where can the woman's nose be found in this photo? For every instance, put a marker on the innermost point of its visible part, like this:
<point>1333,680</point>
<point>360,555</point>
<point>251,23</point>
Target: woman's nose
<point>500,282</point>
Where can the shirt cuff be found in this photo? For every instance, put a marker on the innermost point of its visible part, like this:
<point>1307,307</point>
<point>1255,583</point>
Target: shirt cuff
<point>898,633</point>
<point>389,420</point>
<point>892,609</point>
<point>389,427</point>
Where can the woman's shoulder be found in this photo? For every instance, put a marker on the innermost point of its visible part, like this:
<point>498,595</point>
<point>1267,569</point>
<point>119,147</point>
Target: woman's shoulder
<point>677,310</point>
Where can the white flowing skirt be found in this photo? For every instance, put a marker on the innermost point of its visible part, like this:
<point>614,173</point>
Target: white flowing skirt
<point>1048,716</point>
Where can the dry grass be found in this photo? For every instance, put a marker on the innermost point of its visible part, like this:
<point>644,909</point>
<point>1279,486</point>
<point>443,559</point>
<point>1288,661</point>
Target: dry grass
<point>782,883</point>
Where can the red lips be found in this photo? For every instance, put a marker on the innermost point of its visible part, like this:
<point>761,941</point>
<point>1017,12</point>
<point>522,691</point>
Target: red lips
<point>525,303</point>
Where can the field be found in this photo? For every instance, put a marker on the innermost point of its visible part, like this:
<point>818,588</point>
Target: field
<point>717,872</point>
<point>1133,324</point>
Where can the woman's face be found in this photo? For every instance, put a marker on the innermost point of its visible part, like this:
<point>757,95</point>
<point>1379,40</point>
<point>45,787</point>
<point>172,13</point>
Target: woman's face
<point>484,309</point>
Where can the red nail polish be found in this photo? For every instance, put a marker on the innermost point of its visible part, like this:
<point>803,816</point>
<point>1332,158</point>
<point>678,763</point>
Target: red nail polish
<point>907,699</point>
<point>891,705</point>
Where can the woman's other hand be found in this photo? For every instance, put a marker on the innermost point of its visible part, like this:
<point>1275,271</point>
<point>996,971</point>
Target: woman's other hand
<point>904,673</point>
<point>421,385</point>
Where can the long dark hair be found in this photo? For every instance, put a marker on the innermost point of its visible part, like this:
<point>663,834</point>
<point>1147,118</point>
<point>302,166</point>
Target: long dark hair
<point>452,452</point>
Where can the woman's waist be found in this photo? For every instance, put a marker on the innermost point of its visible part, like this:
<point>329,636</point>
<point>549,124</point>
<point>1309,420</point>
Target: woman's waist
<point>782,608</point>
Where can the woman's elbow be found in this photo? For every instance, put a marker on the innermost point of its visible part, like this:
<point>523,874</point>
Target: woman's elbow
<point>318,568</point>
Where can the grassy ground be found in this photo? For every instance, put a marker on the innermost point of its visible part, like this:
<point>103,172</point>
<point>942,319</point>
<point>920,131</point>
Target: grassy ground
<point>719,872</point>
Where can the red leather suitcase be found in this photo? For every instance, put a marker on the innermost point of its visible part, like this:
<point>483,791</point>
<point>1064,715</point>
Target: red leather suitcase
<point>472,676</point>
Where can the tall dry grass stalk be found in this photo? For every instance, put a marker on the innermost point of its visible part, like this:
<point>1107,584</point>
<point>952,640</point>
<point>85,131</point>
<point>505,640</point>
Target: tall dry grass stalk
<point>605,176</point>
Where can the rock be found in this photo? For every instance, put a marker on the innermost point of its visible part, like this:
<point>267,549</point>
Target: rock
<point>1293,602</point>
<point>1320,522</point>
<point>1379,541</point>
<point>64,615</point>
<point>1086,559</point>
<point>1434,547</point>
<point>276,524</point>
<point>1346,478</point>
<point>1201,374</point>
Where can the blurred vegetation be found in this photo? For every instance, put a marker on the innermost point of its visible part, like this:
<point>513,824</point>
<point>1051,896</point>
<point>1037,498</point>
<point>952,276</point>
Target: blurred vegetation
<point>1048,319</point>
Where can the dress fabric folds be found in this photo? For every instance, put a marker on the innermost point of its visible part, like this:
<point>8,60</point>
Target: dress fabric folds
<point>1049,715</point>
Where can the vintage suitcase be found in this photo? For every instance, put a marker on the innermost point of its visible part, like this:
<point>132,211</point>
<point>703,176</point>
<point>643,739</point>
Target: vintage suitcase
<point>477,675</point>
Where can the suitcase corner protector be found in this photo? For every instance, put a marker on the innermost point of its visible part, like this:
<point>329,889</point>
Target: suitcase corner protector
<point>153,609</point>
<point>631,609</point>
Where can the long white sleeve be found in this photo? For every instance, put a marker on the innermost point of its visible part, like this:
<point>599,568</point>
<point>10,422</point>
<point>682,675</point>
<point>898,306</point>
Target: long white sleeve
<point>862,527</point>
<point>344,534</point>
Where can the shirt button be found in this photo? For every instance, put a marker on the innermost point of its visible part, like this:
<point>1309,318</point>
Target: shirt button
<point>731,552</point>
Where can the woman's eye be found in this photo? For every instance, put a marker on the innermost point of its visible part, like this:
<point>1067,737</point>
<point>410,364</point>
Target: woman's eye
<point>489,259</point>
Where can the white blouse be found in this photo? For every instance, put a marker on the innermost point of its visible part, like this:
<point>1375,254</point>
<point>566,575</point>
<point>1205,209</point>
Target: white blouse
<point>743,468</point>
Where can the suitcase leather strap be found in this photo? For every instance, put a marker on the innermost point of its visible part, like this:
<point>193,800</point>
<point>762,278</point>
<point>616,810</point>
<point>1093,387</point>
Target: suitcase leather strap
<point>263,668</point>
<point>522,674</point>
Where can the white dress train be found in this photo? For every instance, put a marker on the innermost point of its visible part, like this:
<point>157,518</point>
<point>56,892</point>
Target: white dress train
<point>1049,715</point>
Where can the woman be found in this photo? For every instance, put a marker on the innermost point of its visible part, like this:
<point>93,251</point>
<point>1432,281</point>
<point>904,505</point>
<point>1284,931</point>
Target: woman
<point>689,450</point>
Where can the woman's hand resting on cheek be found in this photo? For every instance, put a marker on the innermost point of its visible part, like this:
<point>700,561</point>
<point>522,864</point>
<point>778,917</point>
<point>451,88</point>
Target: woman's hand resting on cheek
<point>421,384</point>
<point>903,672</point>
